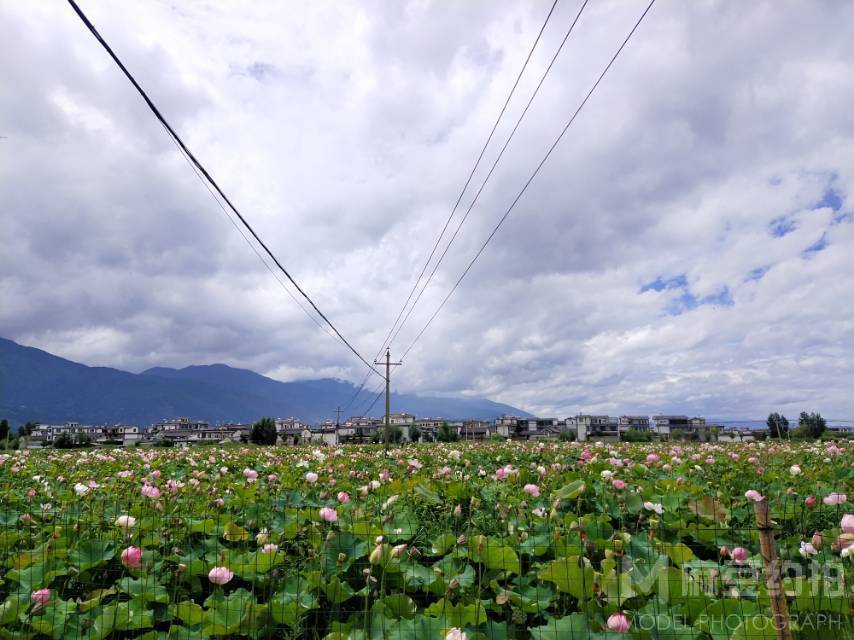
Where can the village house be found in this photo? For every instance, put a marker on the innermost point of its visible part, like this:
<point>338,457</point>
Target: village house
<point>636,423</point>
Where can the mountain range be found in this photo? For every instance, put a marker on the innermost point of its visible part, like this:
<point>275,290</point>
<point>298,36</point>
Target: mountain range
<point>36,385</point>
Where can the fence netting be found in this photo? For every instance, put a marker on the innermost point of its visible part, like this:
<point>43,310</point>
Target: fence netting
<point>539,541</point>
<point>416,566</point>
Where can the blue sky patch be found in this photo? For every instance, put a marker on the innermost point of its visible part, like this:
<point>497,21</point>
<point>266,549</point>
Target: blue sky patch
<point>830,199</point>
<point>721,298</point>
<point>817,246</point>
<point>781,226</point>
<point>660,284</point>
<point>756,274</point>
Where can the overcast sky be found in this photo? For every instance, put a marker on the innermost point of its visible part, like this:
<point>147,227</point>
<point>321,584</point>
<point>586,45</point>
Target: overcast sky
<point>688,247</point>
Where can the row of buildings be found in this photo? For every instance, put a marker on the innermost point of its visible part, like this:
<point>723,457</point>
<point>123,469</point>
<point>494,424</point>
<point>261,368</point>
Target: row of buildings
<point>407,428</point>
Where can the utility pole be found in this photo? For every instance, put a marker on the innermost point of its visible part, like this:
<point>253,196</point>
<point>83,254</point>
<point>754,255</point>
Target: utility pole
<point>388,365</point>
<point>337,418</point>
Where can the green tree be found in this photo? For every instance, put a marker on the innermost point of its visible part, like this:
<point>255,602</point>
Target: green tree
<point>264,432</point>
<point>446,433</point>
<point>395,434</point>
<point>778,425</point>
<point>414,433</point>
<point>27,429</point>
<point>63,441</point>
<point>812,423</point>
<point>4,429</point>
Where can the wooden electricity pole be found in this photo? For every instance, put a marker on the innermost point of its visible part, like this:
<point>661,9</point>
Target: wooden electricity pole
<point>773,577</point>
<point>388,365</point>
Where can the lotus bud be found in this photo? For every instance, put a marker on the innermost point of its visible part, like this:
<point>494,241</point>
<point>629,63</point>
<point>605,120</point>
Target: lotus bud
<point>609,553</point>
<point>376,555</point>
<point>453,584</point>
<point>398,550</point>
<point>461,539</point>
<point>817,539</point>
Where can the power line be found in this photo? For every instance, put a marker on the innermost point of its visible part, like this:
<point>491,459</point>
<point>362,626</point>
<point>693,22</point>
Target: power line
<point>210,179</point>
<point>459,199</point>
<point>252,246</point>
<point>530,179</point>
<point>492,168</point>
<point>472,172</point>
<point>371,406</point>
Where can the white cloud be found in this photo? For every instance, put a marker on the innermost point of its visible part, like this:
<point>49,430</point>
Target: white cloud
<point>344,132</point>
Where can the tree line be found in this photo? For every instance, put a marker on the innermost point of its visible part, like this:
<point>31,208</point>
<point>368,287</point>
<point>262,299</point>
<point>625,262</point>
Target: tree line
<point>810,425</point>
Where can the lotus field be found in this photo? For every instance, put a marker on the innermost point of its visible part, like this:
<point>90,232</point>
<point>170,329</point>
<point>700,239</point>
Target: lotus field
<point>481,540</point>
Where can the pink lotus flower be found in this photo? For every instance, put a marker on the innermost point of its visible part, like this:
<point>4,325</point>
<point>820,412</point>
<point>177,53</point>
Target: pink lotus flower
<point>618,484</point>
<point>847,524</point>
<point>272,477</point>
<point>250,474</point>
<point>834,499</point>
<point>455,633</point>
<point>220,575</point>
<point>328,514</point>
<point>42,596</point>
<point>132,558</point>
<point>343,497</point>
<point>650,459</point>
<point>618,622</point>
<point>270,548</point>
<point>807,549</point>
<point>739,554</point>
<point>532,490</point>
<point>150,491</point>
<point>754,495</point>
<point>311,477</point>
<point>809,502</point>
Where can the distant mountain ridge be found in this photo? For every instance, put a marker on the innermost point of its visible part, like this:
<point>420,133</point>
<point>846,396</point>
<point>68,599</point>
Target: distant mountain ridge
<point>36,385</point>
